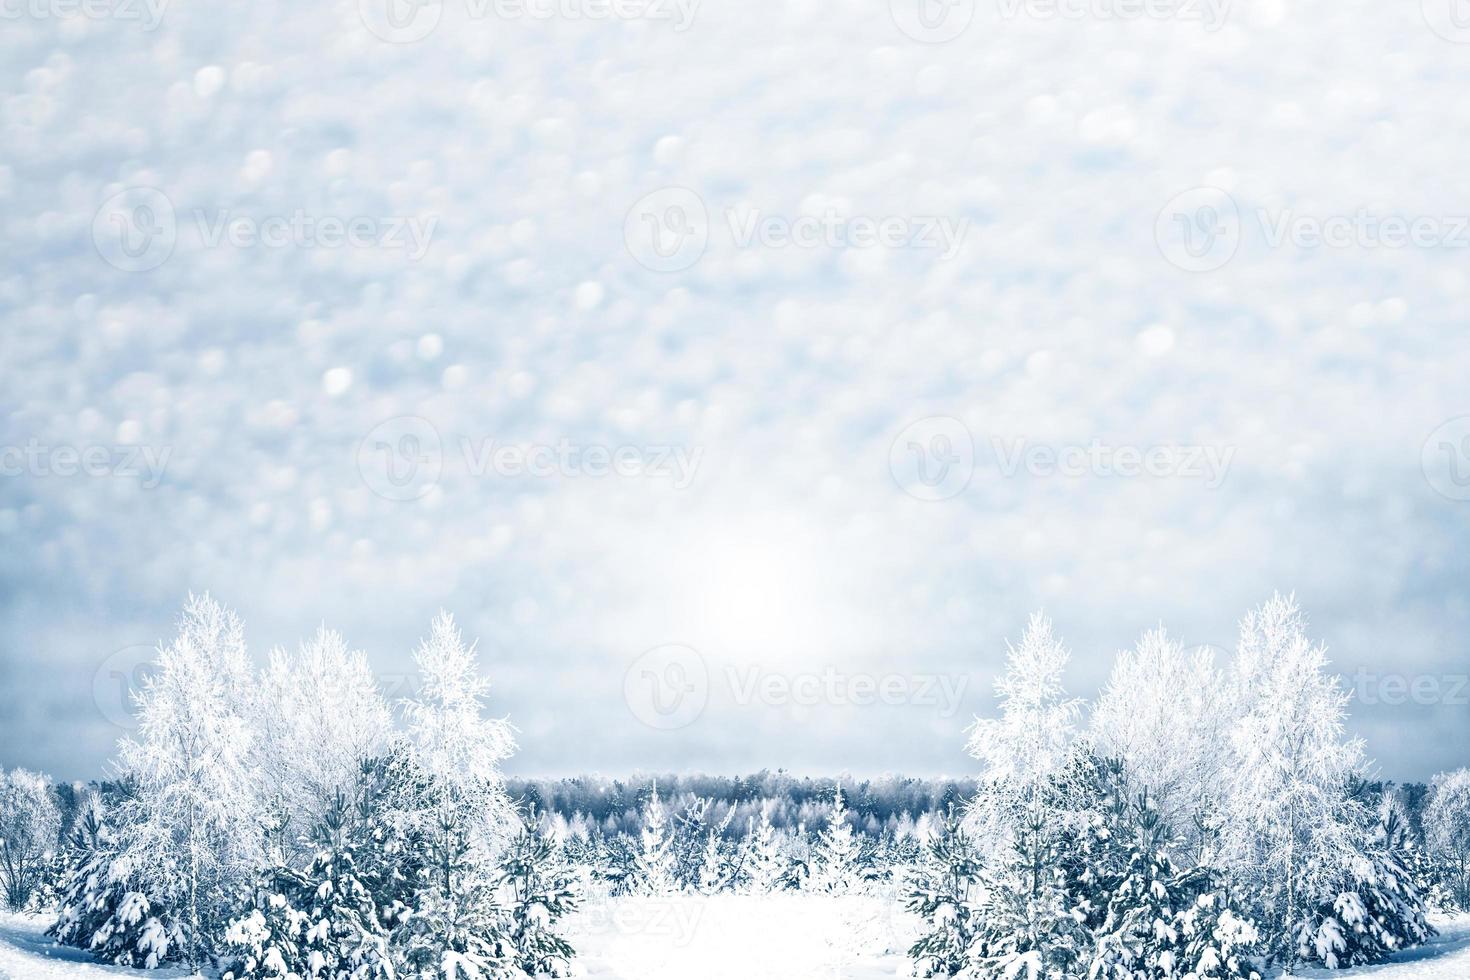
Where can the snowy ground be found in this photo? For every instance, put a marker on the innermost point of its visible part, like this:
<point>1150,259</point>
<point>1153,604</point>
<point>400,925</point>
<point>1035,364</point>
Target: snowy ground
<point>26,954</point>
<point>1447,957</point>
<point>800,937</point>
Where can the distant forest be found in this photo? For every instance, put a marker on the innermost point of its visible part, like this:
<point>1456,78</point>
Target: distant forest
<point>882,805</point>
<point>615,806</point>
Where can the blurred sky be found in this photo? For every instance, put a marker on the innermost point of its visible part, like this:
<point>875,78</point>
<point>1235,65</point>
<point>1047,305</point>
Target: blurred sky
<point>207,383</point>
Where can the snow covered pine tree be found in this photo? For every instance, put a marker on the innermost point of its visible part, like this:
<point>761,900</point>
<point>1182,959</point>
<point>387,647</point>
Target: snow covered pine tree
<point>836,855</point>
<point>656,859</point>
<point>538,886</point>
<point>942,891</point>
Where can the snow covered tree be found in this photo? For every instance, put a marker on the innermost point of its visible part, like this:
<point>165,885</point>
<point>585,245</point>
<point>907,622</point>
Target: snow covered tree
<point>460,810</point>
<point>453,744</point>
<point>836,856</point>
<point>1025,750</point>
<point>656,859</point>
<point>320,715</point>
<point>1157,921</point>
<point>540,890</point>
<point>1447,832</point>
<point>267,943</point>
<point>942,891</point>
<point>1216,941</point>
<point>1163,714</point>
<point>1293,833</point>
<point>101,910</point>
<point>30,828</point>
<point>1027,925</point>
<point>189,833</point>
<point>690,832</point>
<point>1024,813</point>
<point>1380,910</point>
<point>321,921</point>
<point>717,869</point>
<point>764,864</point>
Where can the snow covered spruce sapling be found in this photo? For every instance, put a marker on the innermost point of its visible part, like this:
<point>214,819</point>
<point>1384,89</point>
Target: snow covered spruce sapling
<point>539,889</point>
<point>764,864</point>
<point>943,892</point>
<point>99,911</point>
<point>719,861</point>
<point>1157,921</point>
<point>656,861</point>
<point>324,920</point>
<point>836,860</point>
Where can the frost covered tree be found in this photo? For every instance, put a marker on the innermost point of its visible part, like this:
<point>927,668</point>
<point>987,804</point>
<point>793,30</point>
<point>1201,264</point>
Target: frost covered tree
<point>30,827</point>
<point>1024,811</point>
<point>320,715</point>
<point>836,855</point>
<point>460,809</point>
<point>1163,713</point>
<point>1447,831</point>
<point>30,830</point>
<point>451,740</point>
<point>1293,833</point>
<point>656,861</point>
<point>189,835</point>
<point>764,863</point>
<point>717,867</point>
<point>1027,748</point>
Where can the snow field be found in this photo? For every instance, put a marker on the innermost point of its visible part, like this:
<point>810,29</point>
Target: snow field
<point>740,937</point>
<point>27,954</point>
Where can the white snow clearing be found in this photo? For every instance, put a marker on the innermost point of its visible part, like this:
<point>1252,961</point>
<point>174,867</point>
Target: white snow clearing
<point>781,937</point>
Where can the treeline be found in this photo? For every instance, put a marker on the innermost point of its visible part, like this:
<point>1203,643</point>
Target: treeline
<point>888,804</point>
